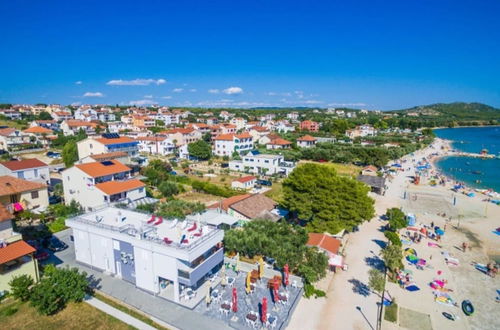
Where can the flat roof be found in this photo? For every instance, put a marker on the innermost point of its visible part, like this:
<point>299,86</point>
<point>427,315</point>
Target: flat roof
<point>133,223</point>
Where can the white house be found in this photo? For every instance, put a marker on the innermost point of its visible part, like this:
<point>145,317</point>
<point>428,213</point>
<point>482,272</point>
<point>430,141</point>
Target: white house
<point>72,127</point>
<point>361,131</point>
<point>266,164</point>
<point>107,143</point>
<point>61,115</point>
<point>118,126</point>
<point>86,114</point>
<point>306,141</point>
<point>28,169</point>
<point>245,182</point>
<point>158,145</point>
<point>226,144</point>
<point>238,122</point>
<point>12,139</point>
<point>156,255</point>
<point>101,183</point>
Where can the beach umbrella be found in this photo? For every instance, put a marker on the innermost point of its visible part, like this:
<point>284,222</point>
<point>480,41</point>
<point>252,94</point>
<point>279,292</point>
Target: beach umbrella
<point>237,265</point>
<point>248,283</point>
<point>263,311</point>
<point>235,300</point>
<point>208,298</point>
<point>261,267</point>
<point>275,293</point>
<point>223,280</point>
<point>286,271</point>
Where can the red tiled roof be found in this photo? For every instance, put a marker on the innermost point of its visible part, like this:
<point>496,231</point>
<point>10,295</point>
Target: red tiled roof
<point>109,155</point>
<point>246,179</point>
<point>15,250</point>
<point>244,135</point>
<point>98,169</point>
<point>116,187</point>
<point>226,203</point>
<point>280,142</point>
<point>121,139</point>
<point>259,128</point>
<point>38,130</point>
<point>324,242</point>
<point>224,137</point>
<point>179,130</point>
<point>78,123</point>
<point>7,131</point>
<point>10,185</point>
<point>307,138</point>
<point>23,164</point>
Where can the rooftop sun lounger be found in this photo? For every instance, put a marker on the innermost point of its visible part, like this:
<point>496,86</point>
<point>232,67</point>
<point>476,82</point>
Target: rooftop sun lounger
<point>160,220</point>
<point>153,218</point>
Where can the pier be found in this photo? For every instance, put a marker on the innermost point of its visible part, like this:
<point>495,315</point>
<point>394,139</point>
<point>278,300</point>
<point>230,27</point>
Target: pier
<point>472,155</point>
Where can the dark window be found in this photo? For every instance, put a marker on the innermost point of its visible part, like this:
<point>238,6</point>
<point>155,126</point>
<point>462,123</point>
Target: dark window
<point>34,195</point>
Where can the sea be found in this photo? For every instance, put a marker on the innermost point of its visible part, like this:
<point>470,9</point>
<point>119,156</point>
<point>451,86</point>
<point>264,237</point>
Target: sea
<point>474,172</point>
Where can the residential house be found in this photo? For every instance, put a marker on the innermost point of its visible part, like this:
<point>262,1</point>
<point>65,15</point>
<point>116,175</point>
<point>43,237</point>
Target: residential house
<point>41,134</point>
<point>283,127</point>
<point>120,156</point>
<point>181,136</point>
<point>156,255</point>
<point>309,125</point>
<point>28,169</point>
<point>257,132</point>
<point>292,115</point>
<point>226,144</point>
<point>369,170</point>
<point>108,142</point>
<point>239,122</point>
<point>12,139</point>
<point>306,141</point>
<point>61,115</point>
<point>278,143</point>
<point>142,122</point>
<point>247,207</point>
<point>328,245</point>
<point>245,182</point>
<point>73,126</point>
<point>101,183</point>
<point>222,129</point>
<point>49,124</point>
<point>266,164</point>
<point>158,145</point>
<point>11,114</point>
<point>86,114</point>
<point>118,127</point>
<point>361,131</point>
<point>16,256</point>
<point>18,194</point>
<point>376,183</point>
<point>201,127</point>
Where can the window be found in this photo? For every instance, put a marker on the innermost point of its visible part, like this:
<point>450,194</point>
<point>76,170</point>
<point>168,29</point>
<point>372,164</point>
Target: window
<point>36,172</point>
<point>90,145</point>
<point>20,175</point>
<point>141,190</point>
<point>34,194</point>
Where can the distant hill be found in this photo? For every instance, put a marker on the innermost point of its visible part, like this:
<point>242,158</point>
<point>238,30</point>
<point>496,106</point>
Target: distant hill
<point>455,111</point>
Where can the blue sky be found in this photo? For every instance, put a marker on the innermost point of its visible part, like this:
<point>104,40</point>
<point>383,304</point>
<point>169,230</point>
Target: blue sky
<point>365,54</point>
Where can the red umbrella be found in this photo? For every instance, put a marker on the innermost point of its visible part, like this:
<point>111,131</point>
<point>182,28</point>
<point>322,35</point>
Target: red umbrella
<point>286,275</point>
<point>275,291</point>
<point>235,301</point>
<point>263,316</point>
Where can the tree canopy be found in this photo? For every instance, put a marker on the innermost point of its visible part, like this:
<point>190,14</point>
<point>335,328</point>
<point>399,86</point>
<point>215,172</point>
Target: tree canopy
<point>70,153</point>
<point>284,242</point>
<point>326,201</point>
<point>200,150</point>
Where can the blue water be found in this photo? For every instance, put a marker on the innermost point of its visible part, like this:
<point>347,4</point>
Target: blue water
<point>473,139</point>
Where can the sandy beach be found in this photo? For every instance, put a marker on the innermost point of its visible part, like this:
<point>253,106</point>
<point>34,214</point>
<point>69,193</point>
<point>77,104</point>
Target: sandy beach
<point>351,305</point>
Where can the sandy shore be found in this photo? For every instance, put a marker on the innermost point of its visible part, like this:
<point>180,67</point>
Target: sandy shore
<point>349,305</point>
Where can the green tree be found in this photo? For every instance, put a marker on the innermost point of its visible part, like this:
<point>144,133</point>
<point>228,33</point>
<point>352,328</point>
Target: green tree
<point>327,201</point>
<point>70,153</point>
<point>20,287</point>
<point>376,280</point>
<point>57,287</point>
<point>397,218</point>
<point>200,150</point>
<point>168,188</point>
<point>44,116</point>
<point>392,255</point>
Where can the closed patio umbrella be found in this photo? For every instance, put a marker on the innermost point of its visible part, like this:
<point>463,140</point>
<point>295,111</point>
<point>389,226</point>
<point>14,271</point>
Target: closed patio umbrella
<point>263,315</point>
<point>235,300</point>
<point>261,267</point>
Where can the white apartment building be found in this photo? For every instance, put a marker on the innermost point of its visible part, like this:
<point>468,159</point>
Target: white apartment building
<point>101,183</point>
<point>182,136</point>
<point>117,126</point>
<point>361,131</point>
<point>239,122</point>
<point>28,169</point>
<point>157,145</point>
<point>265,164</point>
<point>11,139</point>
<point>226,144</point>
<point>61,115</point>
<point>154,254</point>
<point>109,142</point>
<point>72,127</point>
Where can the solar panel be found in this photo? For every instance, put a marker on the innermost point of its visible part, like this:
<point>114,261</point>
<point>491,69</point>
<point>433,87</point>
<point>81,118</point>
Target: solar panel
<point>110,135</point>
<point>107,163</point>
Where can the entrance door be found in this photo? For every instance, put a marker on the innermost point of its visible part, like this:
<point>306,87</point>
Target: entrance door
<point>118,269</point>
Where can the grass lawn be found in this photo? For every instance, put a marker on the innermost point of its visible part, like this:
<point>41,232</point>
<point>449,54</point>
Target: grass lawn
<point>391,313</point>
<point>276,192</point>
<point>12,123</point>
<point>17,315</point>
<point>193,196</point>
<point>342,169</point>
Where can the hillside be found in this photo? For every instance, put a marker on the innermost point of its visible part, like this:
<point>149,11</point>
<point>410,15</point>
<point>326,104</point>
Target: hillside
<point>455,111</point>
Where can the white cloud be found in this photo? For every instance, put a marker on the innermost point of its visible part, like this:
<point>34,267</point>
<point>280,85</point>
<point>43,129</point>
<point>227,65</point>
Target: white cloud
<point>193,90</point>
<point>233,90</point>
<point>230,104</point>
<point>148,96</point>
<point>93,94</point>
<point>299,94</point>
<point>136,82</point>
<point>168,97</point>
<point>279,94</point>
<point>79,82</point>
<point>312,102</point>
<point>355,104</point>
<point>214,91</point>
<point>178,90</point>
<point>142,102</point>
<point>75,104</point>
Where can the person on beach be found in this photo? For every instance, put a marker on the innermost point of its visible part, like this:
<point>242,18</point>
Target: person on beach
<point>464,246</point>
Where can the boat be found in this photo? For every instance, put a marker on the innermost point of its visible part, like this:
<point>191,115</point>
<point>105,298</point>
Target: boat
<point>449,316</point>
<point>477,172</point>
<point>467,307</point>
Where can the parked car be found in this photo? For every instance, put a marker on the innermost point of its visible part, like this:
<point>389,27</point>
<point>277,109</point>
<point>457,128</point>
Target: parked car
<point>54,244</point>
<point>224,165</point>
<point>41,255</point>
<point>54,200</point>
<point>54,155</point>
<point>264,182</point>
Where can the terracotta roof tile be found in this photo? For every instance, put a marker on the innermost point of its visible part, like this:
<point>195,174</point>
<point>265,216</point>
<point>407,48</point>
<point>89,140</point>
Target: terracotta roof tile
<point>307,138</point>
<point>109,155</point>
<point>121,139</point>
<point>246,178</point>
<point>324,242</point>
<point>15,250</point>
<point>254,206</point>
<point>280,142</point>
<point>15,165</point>
<point>116,187</point>
<point>98,169</point>
<point>10,185</point>
<point>38,130</point>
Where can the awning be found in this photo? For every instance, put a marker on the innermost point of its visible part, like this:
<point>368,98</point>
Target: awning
<point>336,260</point>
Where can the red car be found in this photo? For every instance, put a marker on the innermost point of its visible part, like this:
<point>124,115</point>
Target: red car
<point>41,255</point>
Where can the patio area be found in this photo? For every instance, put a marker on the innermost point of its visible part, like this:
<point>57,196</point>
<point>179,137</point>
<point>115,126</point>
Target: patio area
<point>248,314</point>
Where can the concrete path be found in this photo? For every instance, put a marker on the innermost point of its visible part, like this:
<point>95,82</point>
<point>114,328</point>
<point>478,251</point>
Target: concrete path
<point>124,317</point>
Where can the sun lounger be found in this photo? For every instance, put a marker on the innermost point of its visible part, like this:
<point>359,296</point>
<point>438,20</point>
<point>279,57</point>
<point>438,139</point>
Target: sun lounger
<point>153,218</point>
<point>166,240</point>
<point>173,224</point>
<point>193,227</point>
<point>159,221</point>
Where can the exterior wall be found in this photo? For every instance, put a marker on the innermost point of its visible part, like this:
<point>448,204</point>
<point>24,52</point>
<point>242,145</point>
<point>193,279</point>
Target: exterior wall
<point>5,229</point>
<point>89,147</point>
<point>42,201</point>
<point>40,174</point>
<point>29,268</point>
<point>75,186</point>
<point>237,215</point>
<point>242,185</point>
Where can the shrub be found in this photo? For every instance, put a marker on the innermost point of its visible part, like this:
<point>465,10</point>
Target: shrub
<point>21,287</point>
<point>310,290</point>
<point>168,188</point>
<point>57,225</point>
<point>391,312</point>
<point>397,219</point>
<point>393,238</point>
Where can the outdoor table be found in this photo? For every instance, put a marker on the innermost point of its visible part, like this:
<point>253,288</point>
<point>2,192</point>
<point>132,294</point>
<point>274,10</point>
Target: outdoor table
<point>225,306</point>
<point>252,316</point>
<point>230,281</point>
